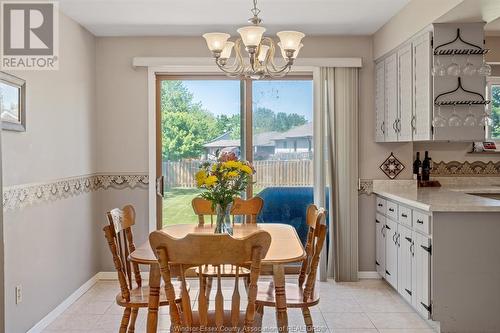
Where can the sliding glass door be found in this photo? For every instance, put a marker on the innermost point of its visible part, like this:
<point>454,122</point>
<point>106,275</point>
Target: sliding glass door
<point>267,122</point>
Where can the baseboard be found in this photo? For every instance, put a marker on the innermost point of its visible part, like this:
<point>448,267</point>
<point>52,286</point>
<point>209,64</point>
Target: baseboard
<point>368,275</point>
<point>52,315</point>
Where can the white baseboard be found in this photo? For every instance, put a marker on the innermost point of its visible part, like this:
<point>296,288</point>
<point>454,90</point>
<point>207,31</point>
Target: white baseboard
<point>52,315</point>
<point>369,275</point>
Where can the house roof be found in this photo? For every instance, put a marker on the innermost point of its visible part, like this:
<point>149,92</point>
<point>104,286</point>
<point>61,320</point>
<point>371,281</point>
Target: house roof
<point>222,144</point>
<point>302,131</point>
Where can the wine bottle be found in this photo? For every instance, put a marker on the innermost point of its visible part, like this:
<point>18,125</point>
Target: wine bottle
<point>417,167</point>
<point>426,167</point>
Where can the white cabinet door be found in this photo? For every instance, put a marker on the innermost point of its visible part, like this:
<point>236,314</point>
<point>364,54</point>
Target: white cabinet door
<point>380,244</point>
<point>405,88</point>
<point>391,253</point>
<point>380,125</point>
<point>422,87</point>
<point>405,259</point>
<point>423,265</point>
<point>391,98</point>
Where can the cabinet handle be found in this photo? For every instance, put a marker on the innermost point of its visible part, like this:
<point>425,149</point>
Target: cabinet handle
<point>382,127</point>
<point>398,237</point>
<point>404,215</point>
<point>380,205</point>
<point>377,221</point>
<point>398,125</point>
<point>420,221</point>
<point>412,249</point>
<point>376,263</point>
<point>387,272</point>
<point>427,307</point>
<point>394,126</point>
<point>409,292</point>
<point>427,249</point>
<point>413,125</point>
<point>391,210</point>
<point>408,239</point>
<point>387,227</point>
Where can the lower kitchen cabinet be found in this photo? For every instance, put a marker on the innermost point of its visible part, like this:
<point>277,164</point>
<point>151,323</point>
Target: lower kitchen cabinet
<point>380,244</point>
<point>423,274</point>
<point>391,253</point>
<point>405,263</point>
<point>403,253</point>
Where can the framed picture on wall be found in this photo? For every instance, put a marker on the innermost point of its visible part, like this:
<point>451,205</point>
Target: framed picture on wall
<point>12,102</point>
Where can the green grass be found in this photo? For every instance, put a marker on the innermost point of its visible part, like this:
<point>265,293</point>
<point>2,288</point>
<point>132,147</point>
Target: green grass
<point>177,207</point>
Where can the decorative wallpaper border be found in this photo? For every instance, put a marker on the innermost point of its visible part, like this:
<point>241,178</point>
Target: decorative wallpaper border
<point>20,196</point>
<point>365,186</point>
<point>466,169</point>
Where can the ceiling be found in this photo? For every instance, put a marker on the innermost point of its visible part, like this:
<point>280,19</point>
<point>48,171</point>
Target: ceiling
<point>194,17</point>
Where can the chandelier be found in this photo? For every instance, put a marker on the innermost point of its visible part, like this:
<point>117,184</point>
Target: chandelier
<point>260,50</point>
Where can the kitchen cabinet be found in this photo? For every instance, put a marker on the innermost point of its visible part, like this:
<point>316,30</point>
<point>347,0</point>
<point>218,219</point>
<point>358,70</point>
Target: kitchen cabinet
<point>423,263</point>
<point>422,87</point>
<point>391,253</point>
<point>403,251</point>
<point>380,244</point>
<point>403,93</point>
<point>405,263</point>
<point>404,123</point>
<point>380,125</point>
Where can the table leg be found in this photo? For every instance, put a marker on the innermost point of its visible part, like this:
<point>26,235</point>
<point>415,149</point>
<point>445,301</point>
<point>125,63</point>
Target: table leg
<point>280,296</point>
<point>154,298</point>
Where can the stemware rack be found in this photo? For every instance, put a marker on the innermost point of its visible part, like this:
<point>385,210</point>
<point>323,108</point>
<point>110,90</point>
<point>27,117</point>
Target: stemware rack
<point>475,50</point>
<point>482,101</point>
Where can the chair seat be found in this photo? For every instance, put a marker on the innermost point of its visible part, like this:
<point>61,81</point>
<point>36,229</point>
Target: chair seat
<point>294,295</point>
<point>226,271</point>
<point>139,297</point>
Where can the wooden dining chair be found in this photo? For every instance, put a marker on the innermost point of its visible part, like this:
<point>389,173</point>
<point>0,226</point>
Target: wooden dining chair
<point>300,295</point>
<point>202,208</point>
<point>197,250</point>
<point>121,243</point>
<point>249,209</point>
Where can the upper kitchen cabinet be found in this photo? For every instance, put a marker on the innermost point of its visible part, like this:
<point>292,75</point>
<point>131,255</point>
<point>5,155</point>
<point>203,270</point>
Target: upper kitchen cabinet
<point>433,86</point>
<point>404,90</point>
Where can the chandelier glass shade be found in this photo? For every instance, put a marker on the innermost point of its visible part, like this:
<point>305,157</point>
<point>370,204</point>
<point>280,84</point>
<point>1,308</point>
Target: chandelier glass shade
<point>254,54</point>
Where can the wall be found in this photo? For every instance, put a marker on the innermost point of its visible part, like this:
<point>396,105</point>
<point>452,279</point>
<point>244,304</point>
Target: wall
<point>411,19</point>
<point>122,104</point>
<point>50,248</point>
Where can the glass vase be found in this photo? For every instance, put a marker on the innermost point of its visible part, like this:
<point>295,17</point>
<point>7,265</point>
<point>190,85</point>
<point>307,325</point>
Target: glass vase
<point>223,224</point>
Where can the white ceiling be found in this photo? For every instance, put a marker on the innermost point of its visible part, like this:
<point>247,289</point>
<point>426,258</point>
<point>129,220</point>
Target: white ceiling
<point>194,17</point>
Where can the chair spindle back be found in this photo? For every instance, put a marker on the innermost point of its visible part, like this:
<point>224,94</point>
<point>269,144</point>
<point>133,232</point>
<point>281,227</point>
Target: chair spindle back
<point>121,243</point>
<point>197,250</point>
<point>202,207</point>
<point>248,208</point>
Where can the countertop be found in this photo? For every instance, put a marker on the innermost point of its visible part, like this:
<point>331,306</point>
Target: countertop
<point>449,198</point>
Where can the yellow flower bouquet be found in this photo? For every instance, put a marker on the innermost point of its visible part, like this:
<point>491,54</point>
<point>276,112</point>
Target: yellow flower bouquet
<point>223,180</point>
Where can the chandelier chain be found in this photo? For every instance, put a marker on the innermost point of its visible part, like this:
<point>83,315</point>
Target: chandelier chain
<point>255,11</point>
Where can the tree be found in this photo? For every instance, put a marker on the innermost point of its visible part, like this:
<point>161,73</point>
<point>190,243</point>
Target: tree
<point>186,126</point>
<point>495,111</point>
<point>265,120</point>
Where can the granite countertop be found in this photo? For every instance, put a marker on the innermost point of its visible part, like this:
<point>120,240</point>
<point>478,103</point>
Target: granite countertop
<point>448,198</point>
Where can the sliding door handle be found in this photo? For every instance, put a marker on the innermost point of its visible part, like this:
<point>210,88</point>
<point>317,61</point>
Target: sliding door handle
<point>160,186</point>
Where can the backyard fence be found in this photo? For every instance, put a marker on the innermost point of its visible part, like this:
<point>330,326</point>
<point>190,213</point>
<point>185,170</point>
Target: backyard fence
<point>268,173</point>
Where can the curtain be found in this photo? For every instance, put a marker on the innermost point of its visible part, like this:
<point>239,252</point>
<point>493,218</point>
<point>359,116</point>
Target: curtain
<point>339,100</point>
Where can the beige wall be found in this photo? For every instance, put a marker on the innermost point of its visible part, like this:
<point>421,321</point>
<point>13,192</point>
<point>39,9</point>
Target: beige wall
<point>122,105</point>
<point>51,248</point>
<point>411,19</point>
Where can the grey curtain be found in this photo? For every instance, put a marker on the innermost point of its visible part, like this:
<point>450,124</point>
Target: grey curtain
<point>339,99</point>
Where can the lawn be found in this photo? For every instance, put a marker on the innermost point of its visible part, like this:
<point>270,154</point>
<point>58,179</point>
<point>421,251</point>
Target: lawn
<point>177,207</point>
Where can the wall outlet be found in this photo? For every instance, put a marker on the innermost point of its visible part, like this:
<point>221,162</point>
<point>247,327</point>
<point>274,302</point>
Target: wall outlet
<point>19,295</point>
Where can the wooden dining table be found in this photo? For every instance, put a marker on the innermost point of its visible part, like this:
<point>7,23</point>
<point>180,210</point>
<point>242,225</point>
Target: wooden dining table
<point>285,248</point>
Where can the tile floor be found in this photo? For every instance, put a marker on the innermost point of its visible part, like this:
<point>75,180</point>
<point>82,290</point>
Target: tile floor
<point>368,306</point>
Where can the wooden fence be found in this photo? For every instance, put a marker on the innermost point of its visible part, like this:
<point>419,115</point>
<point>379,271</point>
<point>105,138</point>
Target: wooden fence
<point>268,173</point>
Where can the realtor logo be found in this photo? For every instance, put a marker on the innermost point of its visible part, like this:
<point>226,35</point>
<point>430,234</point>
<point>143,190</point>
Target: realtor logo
<point>30,35</point>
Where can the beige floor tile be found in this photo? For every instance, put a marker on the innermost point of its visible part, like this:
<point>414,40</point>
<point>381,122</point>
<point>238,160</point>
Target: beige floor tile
<point>384,304</point>
<point>68,322</point>
<point>328,305</point>
<point>397,320</point>
<point>347,320</point>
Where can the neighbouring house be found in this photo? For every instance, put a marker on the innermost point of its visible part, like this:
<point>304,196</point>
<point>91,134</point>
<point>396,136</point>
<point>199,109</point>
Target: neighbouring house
<point>267,145</point>
<point>295,140</point>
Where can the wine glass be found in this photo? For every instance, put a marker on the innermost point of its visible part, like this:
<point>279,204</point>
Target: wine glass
<point>453,69</point>
<point>484,69</point>
<point>486,119</point>
<point>454,120</point>
<point>469,68</point>
<point>439,69</point>
<point>439,120</point>
<point>470,118</point>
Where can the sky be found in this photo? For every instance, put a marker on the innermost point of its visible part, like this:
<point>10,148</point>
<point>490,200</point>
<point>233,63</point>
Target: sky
<point>223,96</point>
